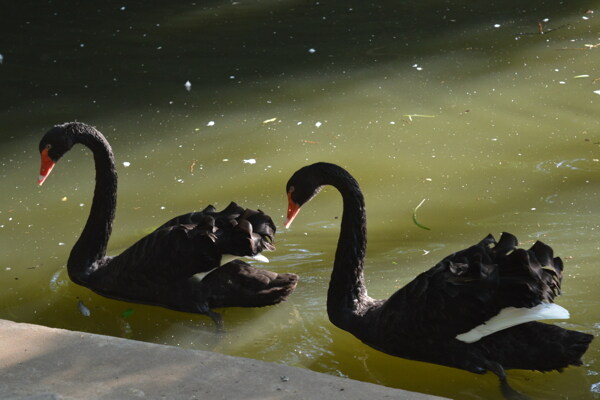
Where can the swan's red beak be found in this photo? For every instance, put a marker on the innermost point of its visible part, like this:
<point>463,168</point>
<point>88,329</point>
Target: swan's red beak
<point>47,165</point>
<point>293,210</point>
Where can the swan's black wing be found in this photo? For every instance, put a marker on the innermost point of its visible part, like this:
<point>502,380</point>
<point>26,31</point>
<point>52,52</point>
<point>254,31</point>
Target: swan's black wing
<point>469,287</point>
<point>258,227</point>
<point>466,289</point>
<point>156,269</point>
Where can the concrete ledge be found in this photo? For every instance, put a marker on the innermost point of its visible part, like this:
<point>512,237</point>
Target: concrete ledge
<point>43,363</point>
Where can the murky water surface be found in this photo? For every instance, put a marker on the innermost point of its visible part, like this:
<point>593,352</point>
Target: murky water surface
<point>467,106</point>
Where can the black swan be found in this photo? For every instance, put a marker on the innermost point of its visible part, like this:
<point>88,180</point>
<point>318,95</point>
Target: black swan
<point>161,269</point>
<point>439,317</point>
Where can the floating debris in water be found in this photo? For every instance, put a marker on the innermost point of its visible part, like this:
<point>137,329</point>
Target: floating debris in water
<point>312,51</point>
<point>250,161</point>
<point>268,121</point>
<point>210,123</point>
<point>411,116</point>
<point>597,91</point>
<point>414,216</point>
<point>83,309</point>
<point>126,164</point>
<point>318,124</point>
<point>188,86</point>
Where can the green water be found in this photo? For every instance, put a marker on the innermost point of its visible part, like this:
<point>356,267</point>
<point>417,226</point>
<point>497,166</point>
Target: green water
<point>467,106</point>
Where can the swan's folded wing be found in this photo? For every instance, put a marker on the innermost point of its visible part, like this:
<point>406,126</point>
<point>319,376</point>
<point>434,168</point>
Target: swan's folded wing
<point>470,287</point>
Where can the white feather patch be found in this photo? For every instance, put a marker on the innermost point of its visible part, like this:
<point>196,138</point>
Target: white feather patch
<point>225,258</point>
<point>511,316</point>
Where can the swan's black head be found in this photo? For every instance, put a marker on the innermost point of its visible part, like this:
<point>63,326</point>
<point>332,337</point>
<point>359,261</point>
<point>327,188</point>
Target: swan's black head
<point>55,143</point>
<point>304,185</point>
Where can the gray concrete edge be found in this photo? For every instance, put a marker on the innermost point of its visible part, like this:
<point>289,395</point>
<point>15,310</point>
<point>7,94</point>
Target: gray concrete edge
<point>38,363</point>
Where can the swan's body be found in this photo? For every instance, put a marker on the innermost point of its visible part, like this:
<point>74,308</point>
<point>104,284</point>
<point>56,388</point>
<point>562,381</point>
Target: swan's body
<point>424,320</point>
<point>159,269</point>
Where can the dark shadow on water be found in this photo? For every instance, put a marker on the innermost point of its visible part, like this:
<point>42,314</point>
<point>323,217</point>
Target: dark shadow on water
<point>83,59</point>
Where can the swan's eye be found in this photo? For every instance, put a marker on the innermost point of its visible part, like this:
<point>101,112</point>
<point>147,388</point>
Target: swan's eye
<point>291,189</point>
<point>48,146</point>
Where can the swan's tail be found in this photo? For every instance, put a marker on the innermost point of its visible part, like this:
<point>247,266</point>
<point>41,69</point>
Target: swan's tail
<point>238,284</point>
<point>536,346</point>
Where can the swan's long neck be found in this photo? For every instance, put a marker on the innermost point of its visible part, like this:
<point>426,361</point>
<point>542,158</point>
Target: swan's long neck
<point>347,296</point>
<point>90,248</point>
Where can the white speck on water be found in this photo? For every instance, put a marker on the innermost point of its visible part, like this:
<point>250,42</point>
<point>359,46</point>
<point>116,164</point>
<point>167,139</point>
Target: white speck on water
<point>210,123</point>
<point>250,161</point>
<point>533,208</point>
<point>231,76</point>
<point>180,180</point>
<point>188,85</point>
<point>312,51</point>
<point>8,268</point>
<point>162,207</point>
<point>595,388</point>
<point>123,8</point>
<point>586,18</point>
<point>61,244</point>
<point>546,20</point>
<point>597,91</point>
<point>225,159</point>
<point>318,124</point>
<point>126,164</point>
<point>81,204</point>
<point>497,25</point>
<point>83,309</point>
<point>562,82</point>
<point>299,123</point>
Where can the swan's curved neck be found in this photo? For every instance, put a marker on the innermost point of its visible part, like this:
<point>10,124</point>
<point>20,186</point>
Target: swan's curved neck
<point>90,249</point>
<point>347,295</point>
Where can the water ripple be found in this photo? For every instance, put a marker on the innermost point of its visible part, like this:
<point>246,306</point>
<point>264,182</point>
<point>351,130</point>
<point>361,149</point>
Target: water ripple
<point>576,164</point>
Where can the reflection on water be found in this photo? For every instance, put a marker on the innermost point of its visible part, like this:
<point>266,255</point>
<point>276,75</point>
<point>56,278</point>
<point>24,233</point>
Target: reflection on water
<point>466,105</point>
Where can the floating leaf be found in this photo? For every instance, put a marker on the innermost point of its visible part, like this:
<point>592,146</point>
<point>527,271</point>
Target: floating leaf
<point>414,216</point>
